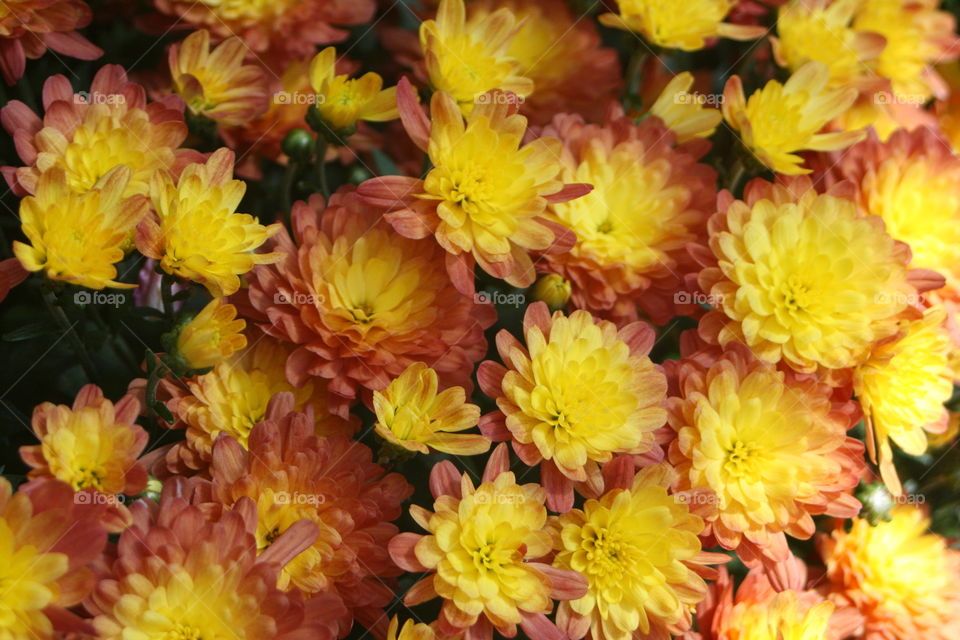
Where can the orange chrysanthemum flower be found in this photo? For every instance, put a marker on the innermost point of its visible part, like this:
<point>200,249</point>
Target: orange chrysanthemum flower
<point>802,277</point>
<point>281,28</point>
<point>902,579</point>
<point>182,571</point>
<point>361,302</point>
<point>579,391</point>
<point>485,199</point>
<point>625,257</point>
<point>771,446</point>
<point>332,483</point>
<point>235,396</point>
<point>481,553</point>
<point>557,52</point>
<point>29,27</point>
<point>47,542</point>
<point>87,134</point>
<point>216,83</point>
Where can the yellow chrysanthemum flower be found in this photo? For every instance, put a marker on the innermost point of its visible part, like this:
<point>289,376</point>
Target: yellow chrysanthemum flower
<point>781,119</point>
<point>901,579</point>
<point>217,84</point>
<point>211,336</point>
<point>803,277</point>
<point>683,112</point>
<point>343,100</point>
<point>780,618</point>
<point>637,548</point>
<point>773,447</point>
<point>196,233</point>
<point>902,388</point>
<point>679,25</point>
<point>466,58</point>
<point>412,415</point>
<point>79,237</point>
<point>409,631</point>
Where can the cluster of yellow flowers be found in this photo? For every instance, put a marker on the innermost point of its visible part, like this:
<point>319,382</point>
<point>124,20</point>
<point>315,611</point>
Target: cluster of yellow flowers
<point>634,302</point>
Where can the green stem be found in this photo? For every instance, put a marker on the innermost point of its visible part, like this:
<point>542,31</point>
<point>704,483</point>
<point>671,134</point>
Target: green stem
<point>322,145</point>
<point>737,175</point>
<point>53,306</point>
<point>289,175</point>
<point>634,73</point>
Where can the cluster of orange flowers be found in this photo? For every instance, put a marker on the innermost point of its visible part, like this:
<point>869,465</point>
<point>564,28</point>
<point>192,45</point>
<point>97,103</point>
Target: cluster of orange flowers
<point>636,301</point>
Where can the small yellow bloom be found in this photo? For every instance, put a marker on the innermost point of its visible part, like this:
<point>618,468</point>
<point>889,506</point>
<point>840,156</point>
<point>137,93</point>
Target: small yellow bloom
<point>679,25</point>
<point>902,388</point>
<point>552,289</point>
<point>411,414</point>
<point>781,119</point>
<point>780,618</point>
<point>211,336</point>
<point>683,112</point>
<point>195,231</point>
<point>79,237</point>
<point>409,631</point>
<point>467,58</point>
<point>637,548</point>
<point>343,100</point>
<point>217,84</point>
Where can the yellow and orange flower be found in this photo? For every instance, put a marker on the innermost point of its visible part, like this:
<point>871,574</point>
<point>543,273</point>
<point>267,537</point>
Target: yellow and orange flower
<point>282,29</point>
<point>803,277</point>
<point>466,58</point>
<point>557,52</point>
<point>47,542</point>
<point>237,395</point>
<point>638,548</point>
<point>781,119</point>
<point>79,237</point>
<point>361,302</point>
<point>683,112</point>
<point>579,391</point>
<point>195,231</point>
<point>411,630</point>
<point>902,388</point>
<point>92,445</point>
<point>622,260</point>
<point>216,83</point>
<point>331,483</point>
<point>481,552</point>
<point>672,25</point>
<point>211,336</point>
<point>902,579</point>
<point>184,571</point>
<point>29,27</point>
<point>413,416</point>
<point>343,101</point>
<point>772,447</point>
<point>86,134</point>
<point>486,197</point>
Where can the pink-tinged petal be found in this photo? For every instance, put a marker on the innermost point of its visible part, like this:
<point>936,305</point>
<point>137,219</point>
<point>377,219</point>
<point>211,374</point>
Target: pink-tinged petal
<point>13,60</point>
<point>925,279</point>
<point>482,630</point>
<point>390,192</point>
<point>420,592</point>
<point>16,116</point>
<point>12,273</point>
<point>149,238</point>
<point>537,315</point>
<point>498,463</point>
<point>537,625</point>
<point>563,238</point>
<point>409,223</point>
<point>71,43</point>
<point>569,192</point>
<point>460,270</point>
<point>412,114</point>
<point>564,584</point>
<point>573,624</point>
<point>639,336</point>
<point>490,377</point>
<point>493,426</point>
<point>230,458</point>
<point>444,480</point>
<point>559,487</point>
<point>401,549</point>
<point>298,537</point>
<point>618,473</point>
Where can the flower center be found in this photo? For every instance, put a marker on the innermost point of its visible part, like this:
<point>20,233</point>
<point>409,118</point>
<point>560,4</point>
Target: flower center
<point>795,293</point>
<point>741,458</point>
<point>182,632</point>
<point>470,192</point>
